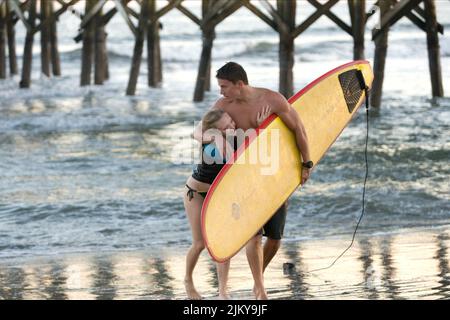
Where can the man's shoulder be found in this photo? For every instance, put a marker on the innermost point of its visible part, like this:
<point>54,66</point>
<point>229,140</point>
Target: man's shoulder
<point>223,103</point>
<point>220,103</point>
<point>270,94</point>
<point>275,99</point>
<point>262,90</point>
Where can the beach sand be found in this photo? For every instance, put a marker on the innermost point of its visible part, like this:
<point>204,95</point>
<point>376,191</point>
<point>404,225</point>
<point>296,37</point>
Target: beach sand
<point>413,264</point>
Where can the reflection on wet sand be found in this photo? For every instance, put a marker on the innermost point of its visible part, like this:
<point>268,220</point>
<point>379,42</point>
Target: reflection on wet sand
<point>80,276</point>
<point>293,270</point>
<point>444,270</point>
<point>368,269</point>
<point>388,273</point>
<point>15,278</point>
<point>411,265</point>
<point>104,279</point>
<point>162,280</point>
<point>55,283</point>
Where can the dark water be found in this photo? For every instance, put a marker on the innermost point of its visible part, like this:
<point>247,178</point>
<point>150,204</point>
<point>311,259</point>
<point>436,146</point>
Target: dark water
<point>90,179</point>
<point>89,170</point>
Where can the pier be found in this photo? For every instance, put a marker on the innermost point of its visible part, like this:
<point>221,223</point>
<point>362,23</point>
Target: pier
<point>42,17</point>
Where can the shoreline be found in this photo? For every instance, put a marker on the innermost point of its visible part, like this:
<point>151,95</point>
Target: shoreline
<point>404,265</point>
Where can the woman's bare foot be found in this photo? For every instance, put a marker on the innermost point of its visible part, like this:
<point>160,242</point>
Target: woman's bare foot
<point>190,290</point>
<point>224,296</point>
<point>260,294</point>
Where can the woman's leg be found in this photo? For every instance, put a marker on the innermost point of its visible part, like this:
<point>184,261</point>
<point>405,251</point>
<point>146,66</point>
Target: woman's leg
<point>222,275</point>
<point>193,209</point>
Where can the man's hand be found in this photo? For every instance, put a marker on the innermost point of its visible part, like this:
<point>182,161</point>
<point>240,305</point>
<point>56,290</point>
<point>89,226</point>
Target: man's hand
<point>305,174</point>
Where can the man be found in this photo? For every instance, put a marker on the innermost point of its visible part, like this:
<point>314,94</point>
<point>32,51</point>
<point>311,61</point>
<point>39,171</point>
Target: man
<point>245,104</point>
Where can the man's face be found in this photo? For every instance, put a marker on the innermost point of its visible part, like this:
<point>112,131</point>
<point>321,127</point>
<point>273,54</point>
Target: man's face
<point>230,90</point>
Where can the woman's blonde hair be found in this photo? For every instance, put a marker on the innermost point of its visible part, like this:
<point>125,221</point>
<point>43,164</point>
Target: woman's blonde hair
<point>210,118</point>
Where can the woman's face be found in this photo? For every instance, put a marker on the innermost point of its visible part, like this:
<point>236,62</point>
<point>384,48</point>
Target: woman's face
<point>226,123</point>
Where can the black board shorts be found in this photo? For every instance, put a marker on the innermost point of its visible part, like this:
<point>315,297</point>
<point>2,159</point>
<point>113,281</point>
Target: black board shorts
<point>274,228</point>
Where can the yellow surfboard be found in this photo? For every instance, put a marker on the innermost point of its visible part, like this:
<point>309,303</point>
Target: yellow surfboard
<point>266,169</point>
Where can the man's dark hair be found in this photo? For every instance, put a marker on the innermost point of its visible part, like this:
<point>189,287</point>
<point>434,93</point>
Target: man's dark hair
<point>233,72</point>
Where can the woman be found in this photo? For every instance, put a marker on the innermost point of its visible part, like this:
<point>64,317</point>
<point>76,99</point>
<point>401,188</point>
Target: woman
<point>216,123</point>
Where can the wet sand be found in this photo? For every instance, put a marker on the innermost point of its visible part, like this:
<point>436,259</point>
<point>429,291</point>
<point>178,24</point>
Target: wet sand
<point>410,265</point>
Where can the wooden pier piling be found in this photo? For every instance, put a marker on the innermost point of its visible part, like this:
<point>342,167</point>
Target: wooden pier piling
<point>11,35</point>
<point>204,67</point>
<point>434,58</point>
<point>100,52</point>
<point>139,34</point>
<point>154,63</point>
<point>88,47</point>
<point>45,37</point>
<point>357,10</point>
<point>381,46</point>
<point>425,19</point>
<point>3,40</point>
<point>148,28</point>
<point>287,10</point>
<point>282,20</point>
<point>28,50</point>
<point>56,61</point>
<point>212,14</point>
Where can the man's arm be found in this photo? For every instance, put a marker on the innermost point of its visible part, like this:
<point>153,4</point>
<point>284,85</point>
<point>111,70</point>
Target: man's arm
<point>291,119</point>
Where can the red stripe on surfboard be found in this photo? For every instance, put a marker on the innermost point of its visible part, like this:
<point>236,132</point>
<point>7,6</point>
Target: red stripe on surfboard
<point>242,148</point>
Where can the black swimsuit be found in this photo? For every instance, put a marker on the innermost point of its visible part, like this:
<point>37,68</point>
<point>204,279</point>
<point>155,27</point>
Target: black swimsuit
<point>210,167</point>
<point>211,164</point>
<point>191,191</point>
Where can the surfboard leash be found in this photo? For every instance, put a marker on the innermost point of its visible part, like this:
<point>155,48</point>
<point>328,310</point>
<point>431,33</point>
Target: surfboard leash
<point>364,87</point>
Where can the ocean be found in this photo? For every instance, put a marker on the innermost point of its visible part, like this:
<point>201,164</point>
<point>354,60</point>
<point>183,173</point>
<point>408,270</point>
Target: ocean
<point>89,169</point>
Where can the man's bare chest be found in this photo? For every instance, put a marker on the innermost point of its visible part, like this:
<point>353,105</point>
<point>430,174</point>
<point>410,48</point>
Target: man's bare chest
<point>245,117</point>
